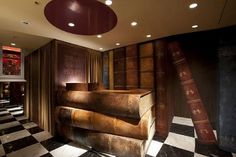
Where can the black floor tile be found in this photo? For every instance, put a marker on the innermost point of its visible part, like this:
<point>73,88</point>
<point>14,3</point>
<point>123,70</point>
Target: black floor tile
<point>182,129</point>
<point>18,115</point>
<point>18,144</point>
<point>52,144</point>
<point>7,120</point>
<point>169,151</point>
<point>90,154</point>
<point>5,114</point>
<point>159,138</point>
<point>35,130</point>
<point>47,155</point>
<point>25,121</point>
<point>11,130</point>
<point>207,150</point>
<point>2,109</point>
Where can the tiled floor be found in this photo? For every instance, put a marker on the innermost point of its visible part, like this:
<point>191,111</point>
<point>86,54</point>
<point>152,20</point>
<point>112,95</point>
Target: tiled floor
<point>21,138</point>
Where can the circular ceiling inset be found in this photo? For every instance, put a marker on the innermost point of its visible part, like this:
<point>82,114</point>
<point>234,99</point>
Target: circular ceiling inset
<point>90,17</point>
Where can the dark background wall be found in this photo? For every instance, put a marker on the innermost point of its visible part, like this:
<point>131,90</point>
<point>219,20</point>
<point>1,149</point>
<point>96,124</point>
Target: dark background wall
<point>201,51</point>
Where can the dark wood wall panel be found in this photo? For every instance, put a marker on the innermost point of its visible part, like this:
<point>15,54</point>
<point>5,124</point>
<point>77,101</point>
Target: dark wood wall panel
<point>147,80</point>
<point>119,61</point>
<point>146,64</point>
<point>132,80</point>
<point>131,64</point>
<point>146,50</point>
<point>68,69</point>
<point>105,69</point>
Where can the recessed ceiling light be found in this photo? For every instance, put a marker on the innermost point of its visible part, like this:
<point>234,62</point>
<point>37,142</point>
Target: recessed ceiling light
<point>149,36</point>
<point>99,36</point>
<point>13,44</point>
<point>117,44</point>
<point>71,24</point>
<point>134,23</point>
<point>108,2</point>
<point>193,5</point>
<point>194,26</point>
<point>100,48</point>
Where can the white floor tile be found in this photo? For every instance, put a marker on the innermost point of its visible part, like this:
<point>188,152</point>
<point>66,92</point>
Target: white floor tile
<point>6,117</point>
<point>14,136</point>
<point>42,136</point>
<point>215,133</point>
<point>21,118</point>
<point>154,148</point>
<point>182,121</point>
<point>68,151</point>
<point>2,152</point>
<point>29,125</point>
<point>199,155</point>
<point>3,112</point>
<point>14,108</point>
<point>181,141</point>
<point>17,112</point>
<point>8,125</point>
<point>35,150</point>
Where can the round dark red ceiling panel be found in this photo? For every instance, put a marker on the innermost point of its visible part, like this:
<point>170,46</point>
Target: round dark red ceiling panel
<point>90,17</point>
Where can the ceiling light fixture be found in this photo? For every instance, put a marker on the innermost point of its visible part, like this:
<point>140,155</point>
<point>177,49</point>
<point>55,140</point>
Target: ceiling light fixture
<point>194,26</point>
<point>100,48</point>
<point>99,36</point>
<point>13,44</point>
<point>108,2</point>
<point>71,24</point>
<point>149,36</point>
<point>117,44</point>
<point>193,5</point>
<point>134,23</point>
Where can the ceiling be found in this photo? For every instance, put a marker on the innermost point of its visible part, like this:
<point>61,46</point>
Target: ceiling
<point>160,18</point>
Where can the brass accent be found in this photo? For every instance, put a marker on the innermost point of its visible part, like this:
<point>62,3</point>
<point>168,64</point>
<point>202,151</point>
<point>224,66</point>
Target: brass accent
<point>197,111</point>
<point>204,131</point>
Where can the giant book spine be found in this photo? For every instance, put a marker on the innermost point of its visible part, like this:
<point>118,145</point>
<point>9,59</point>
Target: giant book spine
<point>130,104</point>
<point>108,143</point>
<point>199,115</point>
<point>90,120</point>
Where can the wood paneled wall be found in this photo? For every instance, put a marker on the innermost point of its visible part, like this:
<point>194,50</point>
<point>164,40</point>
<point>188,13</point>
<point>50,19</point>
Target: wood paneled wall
<point>146,66</point>
<point>48,69</point>
<point>119,61</point>
<point>132,79</point>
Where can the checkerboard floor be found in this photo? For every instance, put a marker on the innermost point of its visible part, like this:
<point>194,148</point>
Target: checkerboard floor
<point>20,137</point>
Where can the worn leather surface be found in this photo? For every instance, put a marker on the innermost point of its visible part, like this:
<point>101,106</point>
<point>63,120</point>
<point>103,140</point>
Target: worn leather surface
<point>135,128</point>
<point>108,143</point>
<point>124,103</point>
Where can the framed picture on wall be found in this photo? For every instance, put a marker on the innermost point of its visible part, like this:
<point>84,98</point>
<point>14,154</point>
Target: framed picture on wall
<point>11,64</point>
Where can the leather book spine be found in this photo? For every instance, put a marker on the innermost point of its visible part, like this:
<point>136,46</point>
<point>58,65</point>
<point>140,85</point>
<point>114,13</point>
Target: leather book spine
<point>199,115</point>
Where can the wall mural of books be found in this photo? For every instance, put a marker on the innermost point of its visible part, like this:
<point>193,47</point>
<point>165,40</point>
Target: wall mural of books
<point>11,61</point>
